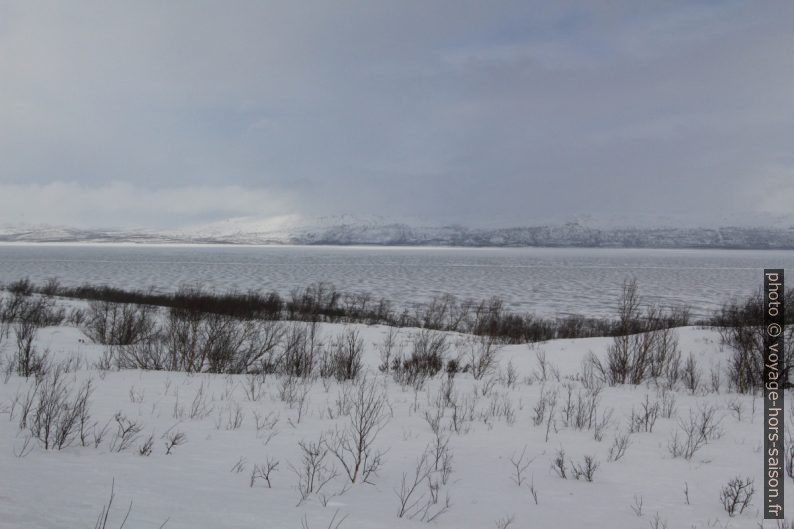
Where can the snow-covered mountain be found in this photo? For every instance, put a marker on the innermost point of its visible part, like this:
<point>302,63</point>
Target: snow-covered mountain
<point>375,231</point>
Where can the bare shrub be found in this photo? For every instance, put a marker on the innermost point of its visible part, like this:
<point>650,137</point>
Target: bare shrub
<point>54,411</point>
<point>694,433</point>
<point>645,418</point>
<point>182,340</point>
<point>626,360</point>
<point>257,350</point>
<point>643,345</point>
<point>174,439</point>
<point>126,433</point>
<point>586,469</point>
<point>520,464</point>
<point>389,348</point>
<point>300,350</point>
<point>580,413</point>
<point>29,315</point>
<point>559,464</point>
<point>637,505</point>
<point>619,446</point>
<point>742,331</point>
<point>118,324</point>
<point>353,445</point>
<point>263,471</point>
<point>656,522</point>
<point>736,495</point>
<point>104,515</point>
<point>346,353</point>
<point>419,494</point>
<point>428,349</point>
<point>481,353</point>
<point>313,472</point>
<point>21,287</point>
<point>664,353</point>
<point>690,374</point>
<point>544,404</point>
<point>667,404</point>
<point>151,354</point>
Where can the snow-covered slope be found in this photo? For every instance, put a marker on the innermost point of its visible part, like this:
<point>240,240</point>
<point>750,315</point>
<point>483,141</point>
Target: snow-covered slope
<point>232,423</point>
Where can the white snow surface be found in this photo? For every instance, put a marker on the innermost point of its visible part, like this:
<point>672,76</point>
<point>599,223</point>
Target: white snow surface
<point>196,488</point>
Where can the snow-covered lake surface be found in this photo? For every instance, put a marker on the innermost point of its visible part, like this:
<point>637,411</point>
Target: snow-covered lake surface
<point>546,281</point>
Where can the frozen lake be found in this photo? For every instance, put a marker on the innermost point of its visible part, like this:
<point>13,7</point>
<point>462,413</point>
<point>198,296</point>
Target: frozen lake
<point>545,281</point>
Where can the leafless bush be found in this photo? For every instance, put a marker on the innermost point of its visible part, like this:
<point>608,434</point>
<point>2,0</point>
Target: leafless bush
<point>547,397</point>
<point>664,352</point>
<point>126,433</point>
<point>690,374</point>
<point>645,418</point>
<point>22,287</point>
<point>151,354</point>
<point>223,340</point>
<point>345,357</point>
<point>742,332</point>
<point>427,356</point>
<point>29,315</point>
<point>637,505</point>
<point>230,417</point>
<point>104,515</point>
<point>542,374</point>
<point>353,445</point>
<point>736,495</point>
<point>559,464</point>
<point>715,378</point>
<point>182,338</point>
<point>263,471</point>
<point>643,345</point>
<point>580,413</point>
<point>509,377</point>
<point>520,466</point>
<point>259,348</point>
<point>463,411</point>
<point>667,404</point>
<point>389,348</point>
<point>656,522</point>
<point>238,466</point>
<point>481,353</point>
<point>174,439</point>
<point>504,523</point>
<point>314,471</point>
<point>533,491</point>
<point>118,323</point>
<point>54,411</point>
<point>619,446</point>
<point>694,433</point>
<point>499,407</point>
<point>586,469</point>
<point>419,494</point>
<point>301,349</point>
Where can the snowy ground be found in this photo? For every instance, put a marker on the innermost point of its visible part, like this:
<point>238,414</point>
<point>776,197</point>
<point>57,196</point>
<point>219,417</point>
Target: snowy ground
<point>205,482</point>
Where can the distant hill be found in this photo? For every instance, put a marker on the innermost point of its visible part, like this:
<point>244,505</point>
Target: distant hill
<point>572,234</point>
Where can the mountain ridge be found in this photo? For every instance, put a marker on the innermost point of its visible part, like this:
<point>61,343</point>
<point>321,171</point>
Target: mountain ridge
<point>383,233</point>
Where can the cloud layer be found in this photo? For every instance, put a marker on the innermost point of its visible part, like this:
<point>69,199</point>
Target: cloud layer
<point>174,113</point>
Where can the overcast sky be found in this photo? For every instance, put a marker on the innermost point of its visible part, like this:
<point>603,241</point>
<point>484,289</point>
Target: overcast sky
<point>168,114</point>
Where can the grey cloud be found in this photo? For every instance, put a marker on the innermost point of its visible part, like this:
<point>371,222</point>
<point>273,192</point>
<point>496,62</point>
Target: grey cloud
<point>472,112</point>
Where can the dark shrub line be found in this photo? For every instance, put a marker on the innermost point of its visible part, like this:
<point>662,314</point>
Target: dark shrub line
<point>321,302</point>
